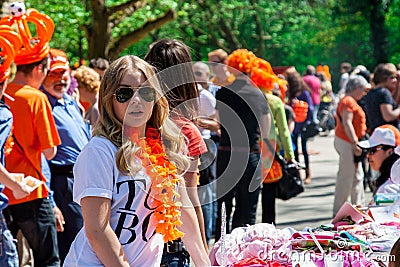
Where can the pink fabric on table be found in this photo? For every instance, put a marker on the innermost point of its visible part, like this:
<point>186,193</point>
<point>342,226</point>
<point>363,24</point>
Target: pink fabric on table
<point>261,241</point>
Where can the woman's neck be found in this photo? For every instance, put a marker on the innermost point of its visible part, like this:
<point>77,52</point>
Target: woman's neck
<point>134,133</point>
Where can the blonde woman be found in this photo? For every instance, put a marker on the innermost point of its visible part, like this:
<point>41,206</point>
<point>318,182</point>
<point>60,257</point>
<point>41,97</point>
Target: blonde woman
<point>120,178</point>
<point>88,85</point>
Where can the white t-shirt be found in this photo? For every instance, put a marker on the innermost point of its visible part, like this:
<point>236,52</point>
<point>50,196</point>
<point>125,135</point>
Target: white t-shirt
<point>207,104</point>
<point>96,174</point>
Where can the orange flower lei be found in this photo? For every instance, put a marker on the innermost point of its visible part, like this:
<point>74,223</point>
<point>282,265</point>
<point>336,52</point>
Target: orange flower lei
<point>164,183</point>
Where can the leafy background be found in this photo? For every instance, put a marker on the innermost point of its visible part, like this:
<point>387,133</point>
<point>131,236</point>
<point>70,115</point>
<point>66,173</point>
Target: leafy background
<point>295,33</point>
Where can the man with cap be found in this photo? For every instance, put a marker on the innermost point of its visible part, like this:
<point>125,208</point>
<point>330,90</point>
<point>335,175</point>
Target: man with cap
<point>34,132</point>
<point>74,134</point>
<point>381,156</point>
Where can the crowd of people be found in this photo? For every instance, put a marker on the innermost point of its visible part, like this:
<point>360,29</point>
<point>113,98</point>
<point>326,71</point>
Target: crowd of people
<point>139,162</point>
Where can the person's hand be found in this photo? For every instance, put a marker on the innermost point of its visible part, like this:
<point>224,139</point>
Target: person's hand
<point>21,190</point>
<point>357,150</point>
<point>296,163</point>
<point>59,219</point>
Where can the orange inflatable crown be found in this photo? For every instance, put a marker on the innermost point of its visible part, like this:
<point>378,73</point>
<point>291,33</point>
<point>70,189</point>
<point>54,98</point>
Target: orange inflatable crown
<point>10,43</point>
<point>34,48</point>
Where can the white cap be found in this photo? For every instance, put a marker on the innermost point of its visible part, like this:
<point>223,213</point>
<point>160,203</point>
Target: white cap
<point>397,150</point>
<point>380,136</point>
<point>395,170</point>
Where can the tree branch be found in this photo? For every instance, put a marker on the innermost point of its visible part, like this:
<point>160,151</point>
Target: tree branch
<point>119,44</point>
<point>136,4</point>
<point>260,29</point>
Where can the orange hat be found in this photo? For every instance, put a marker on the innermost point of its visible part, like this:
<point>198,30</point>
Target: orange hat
<point>58,60</point>
<point>34,48</point>
<point>263,79</point>
<point>242,60</point>
<point>10,43</point>
<point>263,64</point>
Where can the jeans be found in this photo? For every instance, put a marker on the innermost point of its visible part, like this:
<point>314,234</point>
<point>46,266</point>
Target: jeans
<point>175,260</point>
<point>8,250</point>
<point>295,138</point>
<point>268,196</point>
<point>62,186</point>
<point>206,190</point>
<point>37,222</point>
<point>206,196</point>
<point>239,180</point>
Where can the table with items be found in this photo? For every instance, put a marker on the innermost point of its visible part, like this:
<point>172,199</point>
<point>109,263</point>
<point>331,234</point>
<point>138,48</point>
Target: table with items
<point>355,237</point>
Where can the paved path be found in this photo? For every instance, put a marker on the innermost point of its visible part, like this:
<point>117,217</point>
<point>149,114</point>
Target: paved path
<point>314,206</point>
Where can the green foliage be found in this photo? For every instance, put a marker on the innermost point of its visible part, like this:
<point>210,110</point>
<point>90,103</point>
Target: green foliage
<point>68,18</point>
<point>287,32</point>
<point>393,22</point>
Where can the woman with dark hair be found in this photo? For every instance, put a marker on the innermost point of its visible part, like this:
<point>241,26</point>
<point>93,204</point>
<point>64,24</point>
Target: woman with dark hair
<point>299,93</point>
<point>381,156</point>
<point>173,64</point>
<point>379,103</point>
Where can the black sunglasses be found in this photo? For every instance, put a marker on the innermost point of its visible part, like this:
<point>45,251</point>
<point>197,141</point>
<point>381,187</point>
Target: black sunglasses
<point>373,150</point>
<point>123,94</point>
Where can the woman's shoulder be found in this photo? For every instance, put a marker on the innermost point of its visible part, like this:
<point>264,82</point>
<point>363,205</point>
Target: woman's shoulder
<point>101,143</point>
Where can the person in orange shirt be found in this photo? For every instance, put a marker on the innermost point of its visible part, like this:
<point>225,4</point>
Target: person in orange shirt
<point>34,132</point>
<point>350,128</point>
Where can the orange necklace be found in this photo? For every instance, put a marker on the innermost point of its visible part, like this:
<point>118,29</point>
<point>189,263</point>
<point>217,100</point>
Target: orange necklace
<point>164,184</point>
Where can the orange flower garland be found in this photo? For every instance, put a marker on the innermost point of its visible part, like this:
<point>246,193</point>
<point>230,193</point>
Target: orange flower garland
<point>164,184</point>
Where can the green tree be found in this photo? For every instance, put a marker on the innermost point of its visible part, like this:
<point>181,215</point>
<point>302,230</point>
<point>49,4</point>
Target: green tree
<point>103,28</point>
<point>374,12</point>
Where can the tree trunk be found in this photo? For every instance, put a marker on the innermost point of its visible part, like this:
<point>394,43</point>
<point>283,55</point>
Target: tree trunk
<point>99,32</point>
<point>378,31</point>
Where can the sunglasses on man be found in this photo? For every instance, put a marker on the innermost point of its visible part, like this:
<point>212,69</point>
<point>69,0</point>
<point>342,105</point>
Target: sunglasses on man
<point>124,94</point>
<point>215,63</point>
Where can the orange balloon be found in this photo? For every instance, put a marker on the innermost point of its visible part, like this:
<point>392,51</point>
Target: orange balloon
<point>34,48</point>
<point>10,43</point>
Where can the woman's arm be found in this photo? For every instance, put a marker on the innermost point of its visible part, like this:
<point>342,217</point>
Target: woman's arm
<point>96,215</point>
<point>191,188</point>
<point>283,130</point>
<point>192,238</point>
<point>388,113</point>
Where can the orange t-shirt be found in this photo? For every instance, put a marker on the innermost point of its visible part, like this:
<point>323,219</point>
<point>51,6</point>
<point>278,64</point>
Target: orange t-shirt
<point>359,121</point>
<point>34,130</point>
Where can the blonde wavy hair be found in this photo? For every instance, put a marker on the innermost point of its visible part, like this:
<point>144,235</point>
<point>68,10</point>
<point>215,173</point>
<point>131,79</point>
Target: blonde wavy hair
<point>87,78</point>
<point>111,128</point>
